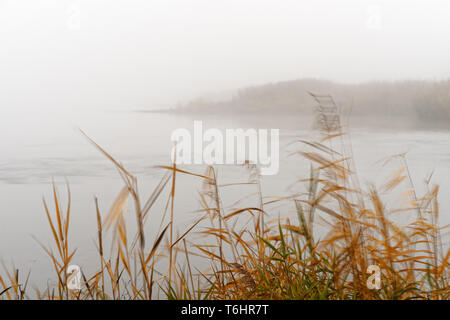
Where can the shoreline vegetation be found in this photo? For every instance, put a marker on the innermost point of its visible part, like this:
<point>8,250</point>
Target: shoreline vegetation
<point>425,103</point>
<point>266,257</point>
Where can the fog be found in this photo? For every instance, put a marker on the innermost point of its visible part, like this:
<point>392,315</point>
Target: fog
<point>106,66</point>
<point>154,54</point>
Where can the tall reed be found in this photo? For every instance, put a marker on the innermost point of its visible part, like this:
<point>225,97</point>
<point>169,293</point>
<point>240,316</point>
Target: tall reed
<point>322,251</point>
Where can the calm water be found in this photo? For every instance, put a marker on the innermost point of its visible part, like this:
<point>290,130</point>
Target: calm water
<point>38,146</point>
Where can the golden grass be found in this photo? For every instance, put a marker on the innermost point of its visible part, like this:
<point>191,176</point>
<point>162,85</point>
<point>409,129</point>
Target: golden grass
<point>273,258</point>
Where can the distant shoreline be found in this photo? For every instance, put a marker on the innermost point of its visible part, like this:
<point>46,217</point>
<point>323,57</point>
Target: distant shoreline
<point>425,103</point>
<point>293,119</point>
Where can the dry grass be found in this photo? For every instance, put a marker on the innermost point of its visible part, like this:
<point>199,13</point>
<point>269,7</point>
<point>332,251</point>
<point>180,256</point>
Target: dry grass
<point>272,259</point>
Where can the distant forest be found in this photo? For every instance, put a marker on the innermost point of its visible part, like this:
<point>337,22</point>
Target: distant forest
<point>423,100</point>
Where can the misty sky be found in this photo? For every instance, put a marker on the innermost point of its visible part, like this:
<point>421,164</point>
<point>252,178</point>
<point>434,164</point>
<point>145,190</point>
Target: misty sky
<point>151,54</point>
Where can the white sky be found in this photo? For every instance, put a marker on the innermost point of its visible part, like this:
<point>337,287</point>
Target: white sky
<point>144,54</point>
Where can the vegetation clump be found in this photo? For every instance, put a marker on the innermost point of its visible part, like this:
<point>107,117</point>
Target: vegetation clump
<point>324,251</point>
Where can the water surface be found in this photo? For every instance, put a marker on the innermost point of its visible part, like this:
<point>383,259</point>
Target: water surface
<point>39,146</point>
